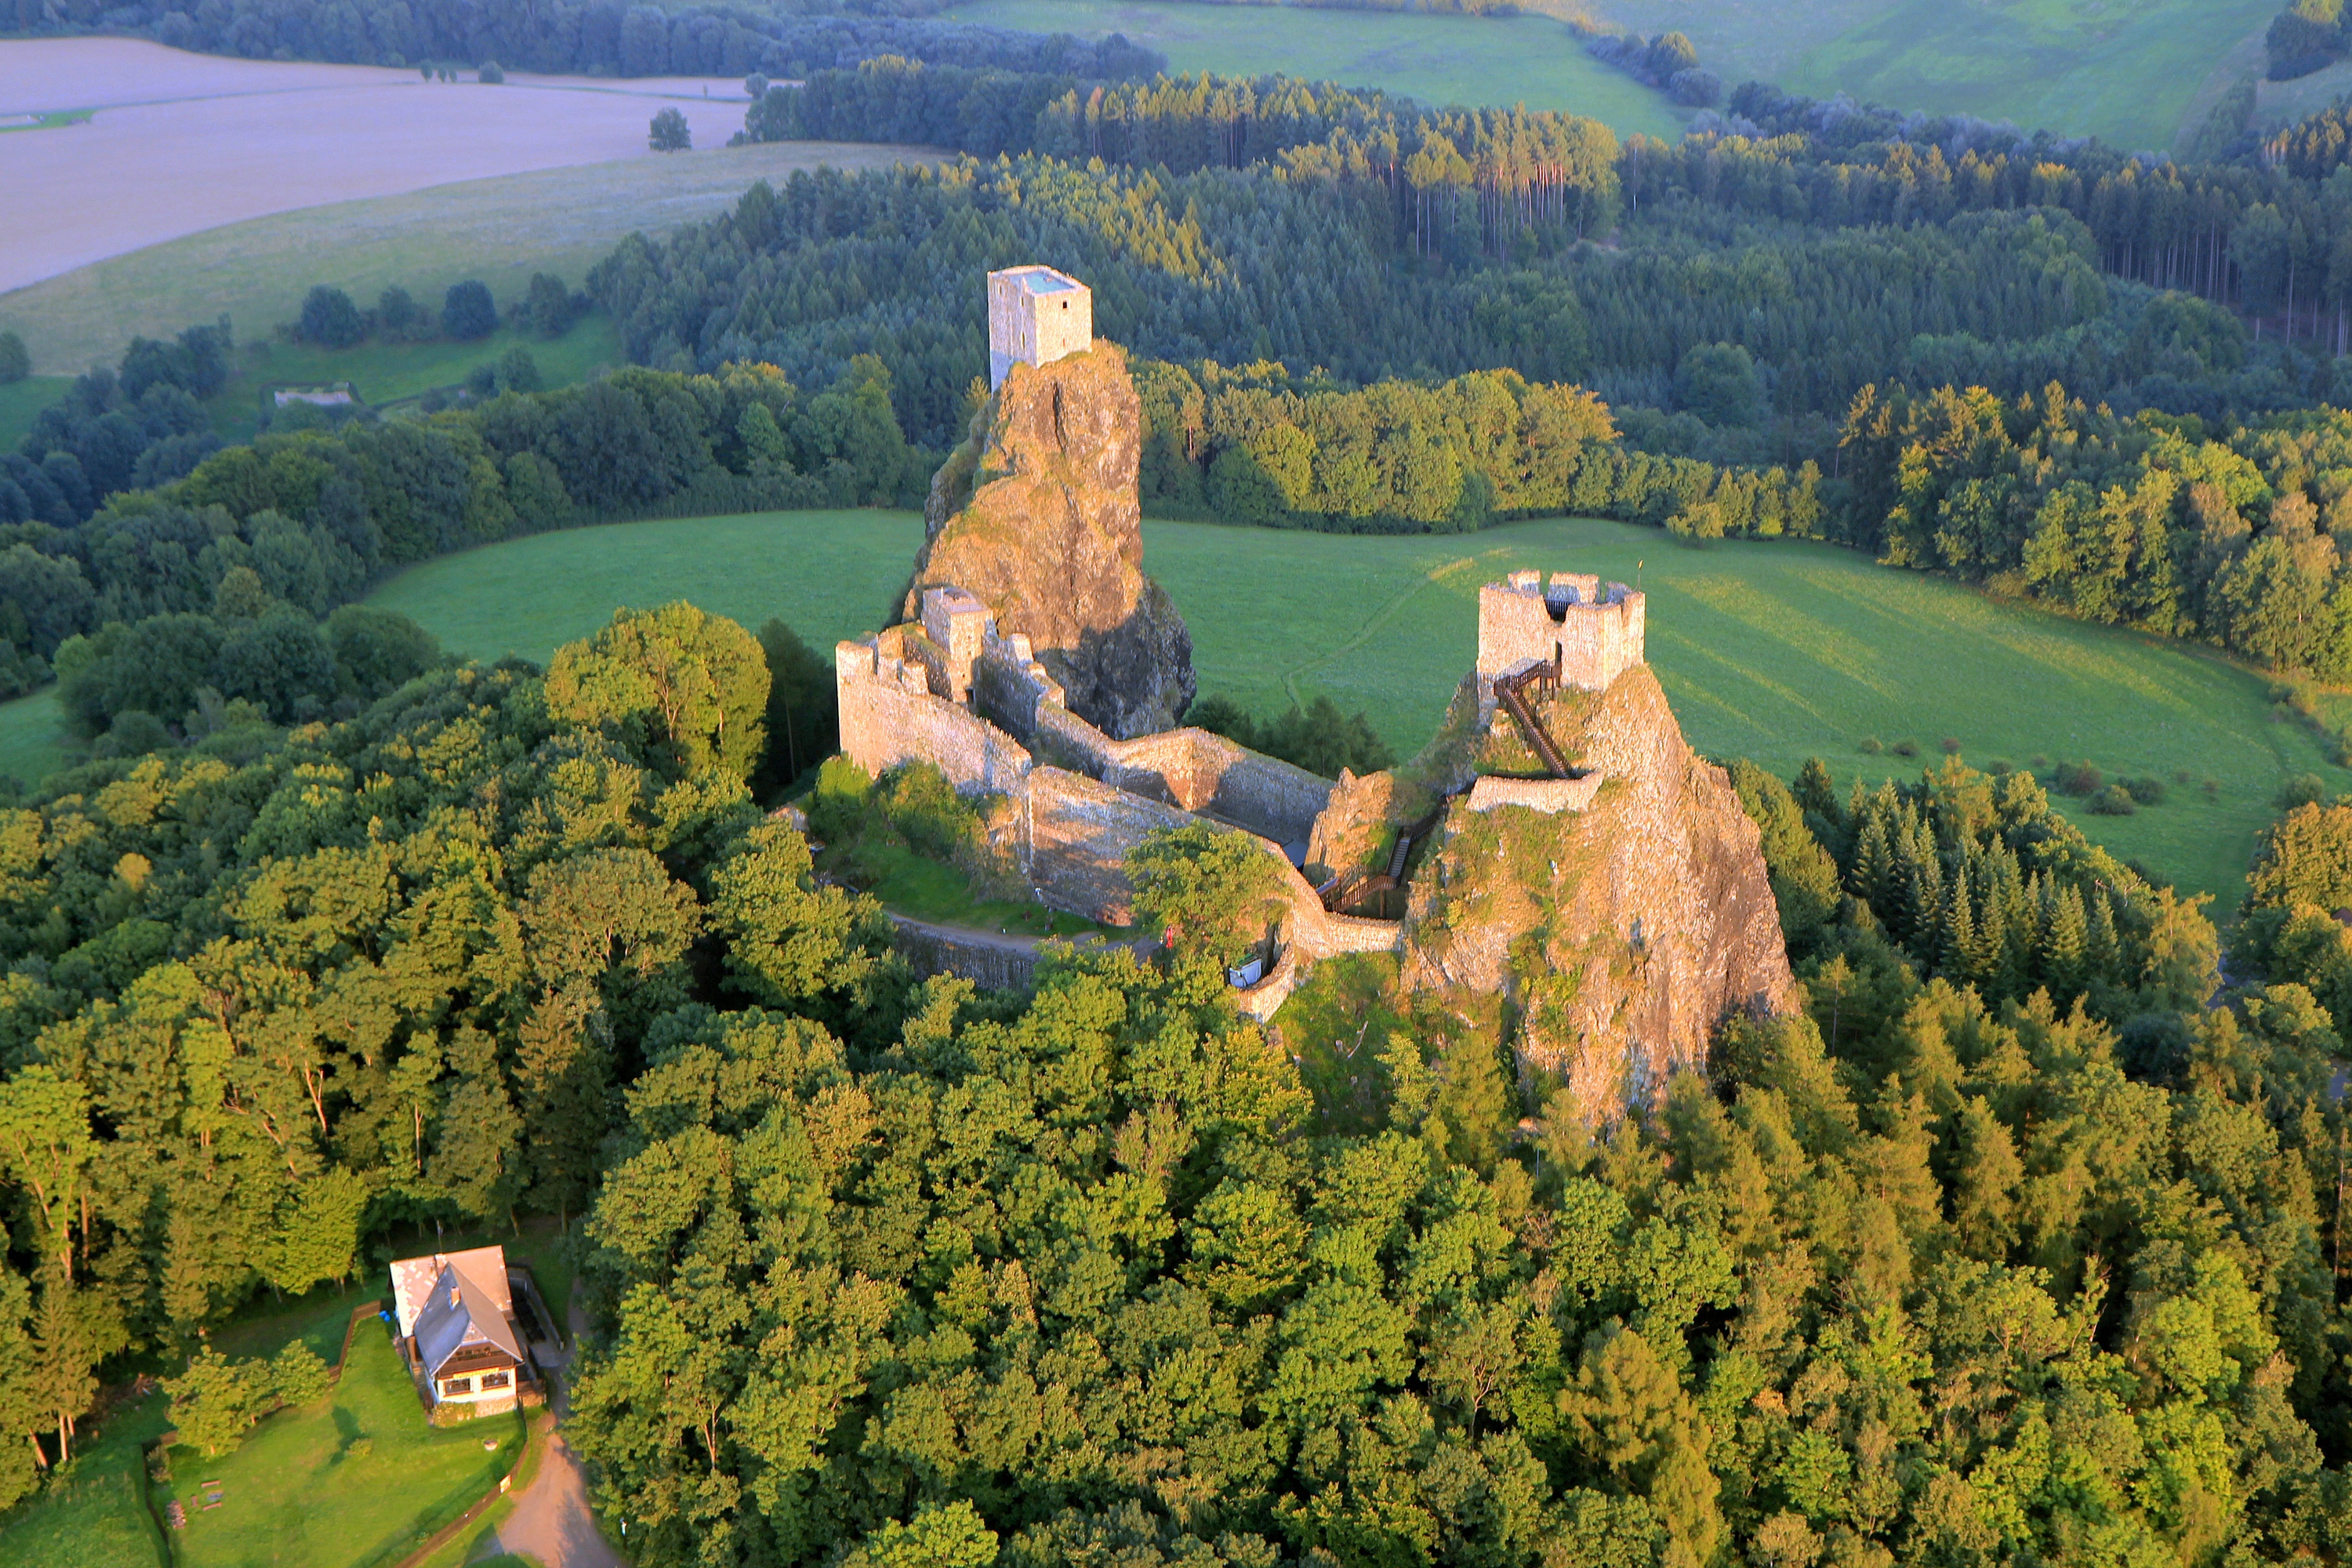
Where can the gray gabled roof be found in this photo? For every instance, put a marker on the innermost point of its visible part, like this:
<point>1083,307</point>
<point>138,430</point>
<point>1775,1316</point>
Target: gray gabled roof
<point>458,1313</point>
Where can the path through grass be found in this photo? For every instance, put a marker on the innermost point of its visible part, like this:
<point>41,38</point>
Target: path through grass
<point>1775,651</point>
<point>1480,60</point>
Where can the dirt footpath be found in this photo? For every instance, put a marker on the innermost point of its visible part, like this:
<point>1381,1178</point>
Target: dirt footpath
<point>181,142</point>
<point>551,1523</point>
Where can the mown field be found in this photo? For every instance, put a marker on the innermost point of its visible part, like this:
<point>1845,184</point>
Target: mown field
<point>1777,652</point>
<point>499,230</point>
<point>1496,61</point>
<point>2130,74</point>
<point>180,141</point>
<point>1774,651</point>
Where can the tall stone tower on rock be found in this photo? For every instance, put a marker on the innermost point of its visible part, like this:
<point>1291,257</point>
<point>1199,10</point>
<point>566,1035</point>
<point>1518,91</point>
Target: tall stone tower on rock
<point>1037,515</point>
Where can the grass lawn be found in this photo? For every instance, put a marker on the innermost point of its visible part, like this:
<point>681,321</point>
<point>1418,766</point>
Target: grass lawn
<point>499,230</point>
<point>91,1516</point>
<point>32,736</point>
<point>21,402</point>
<point>1776,651</point>
<point>929,891</point>
<point>358,1478</point>
<point>1477,60</point>
<point>389,374</point>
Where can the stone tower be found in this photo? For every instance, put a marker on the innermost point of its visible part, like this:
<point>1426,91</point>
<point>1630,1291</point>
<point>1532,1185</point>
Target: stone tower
<point>1595,631</point>
<point>1036,315</point>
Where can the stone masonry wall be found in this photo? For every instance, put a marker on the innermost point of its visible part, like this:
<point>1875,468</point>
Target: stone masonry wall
<point>1547,795</point>
<point>1526,619</point>
<point>995,967</point>
<point>1076,833</point>
<point>889,715</point>
<point>1010,688</point>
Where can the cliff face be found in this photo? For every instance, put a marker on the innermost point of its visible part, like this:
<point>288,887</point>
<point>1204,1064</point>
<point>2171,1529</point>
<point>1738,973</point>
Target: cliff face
<point>1623,932</point>
<point>1040,518</point>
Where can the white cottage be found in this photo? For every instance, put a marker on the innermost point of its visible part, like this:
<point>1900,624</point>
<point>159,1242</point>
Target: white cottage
<point>457,1329</point>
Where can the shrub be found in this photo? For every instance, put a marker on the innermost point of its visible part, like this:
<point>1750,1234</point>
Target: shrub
<point>2002,768</point>
<point>467,311</point>
<point>2041,763</point>
<point>1871,746</point>
<point>517,371</point>
<point>2300,789</point>
<point>1906,748</point>
<point>548,305</point>
<point>399,316</point>
<point>1951,745</point>
<point>2114,801</point>
<point>15,365</point>
<point>2182,776</point>
<point>330,319</point>
<point>2148,791</point>
<point>298,1376</point>
<point>491,73</point>
<point>669,132</point>
<point>217,1399</point>
<point>2078,778</point>
<point>2213,787</point>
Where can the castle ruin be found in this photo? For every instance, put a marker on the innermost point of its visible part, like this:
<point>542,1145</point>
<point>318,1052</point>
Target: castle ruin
<point>1035,316</point>
<point>954,690</point>
<point>1593,635</point>
<point>1602,874</point>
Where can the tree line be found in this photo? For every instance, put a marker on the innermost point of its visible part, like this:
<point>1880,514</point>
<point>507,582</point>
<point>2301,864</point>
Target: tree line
<point>586,38</point>
<point>2013,1239</point>
<point>154,602</point>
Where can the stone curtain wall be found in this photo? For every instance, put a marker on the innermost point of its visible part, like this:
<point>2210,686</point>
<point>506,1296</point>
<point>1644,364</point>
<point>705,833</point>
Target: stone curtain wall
<point>890,717</point>
<point>1547,795</point>
<point>1082,800</point>
<point>1597,642</point>
<point>1075,834</point>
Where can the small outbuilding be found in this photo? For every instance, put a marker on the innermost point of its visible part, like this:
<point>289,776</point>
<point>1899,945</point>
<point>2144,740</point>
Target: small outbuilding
<point>454,1313</point>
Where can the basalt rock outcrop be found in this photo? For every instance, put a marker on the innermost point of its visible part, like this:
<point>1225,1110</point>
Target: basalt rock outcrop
<point>1623,932</point>
<point>1038,516</point>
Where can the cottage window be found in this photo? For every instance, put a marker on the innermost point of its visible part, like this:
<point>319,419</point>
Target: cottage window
<point>457,1385</point>
<point>495,1380</point>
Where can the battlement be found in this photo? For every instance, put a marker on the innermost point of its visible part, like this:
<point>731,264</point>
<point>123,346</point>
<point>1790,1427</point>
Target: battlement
<point>1595,633</point>
<point>1036,315</point>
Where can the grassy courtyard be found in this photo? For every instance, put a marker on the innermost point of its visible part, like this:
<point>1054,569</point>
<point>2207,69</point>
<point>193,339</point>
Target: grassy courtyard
<point>359,1477</point>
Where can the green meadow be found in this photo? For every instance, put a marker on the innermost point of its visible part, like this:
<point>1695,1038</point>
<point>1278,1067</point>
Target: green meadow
<point>1775,651</point>
<point>358,1478</point>
<point>2138,75</point>
<point>387,375</point>
<point>22,401</point>
<point>500,231</point>
<point>1480,60</point>
<point>94,1515</point>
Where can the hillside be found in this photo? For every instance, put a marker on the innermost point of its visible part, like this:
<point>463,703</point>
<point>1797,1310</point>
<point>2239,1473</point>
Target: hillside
<point>1777,652</point>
